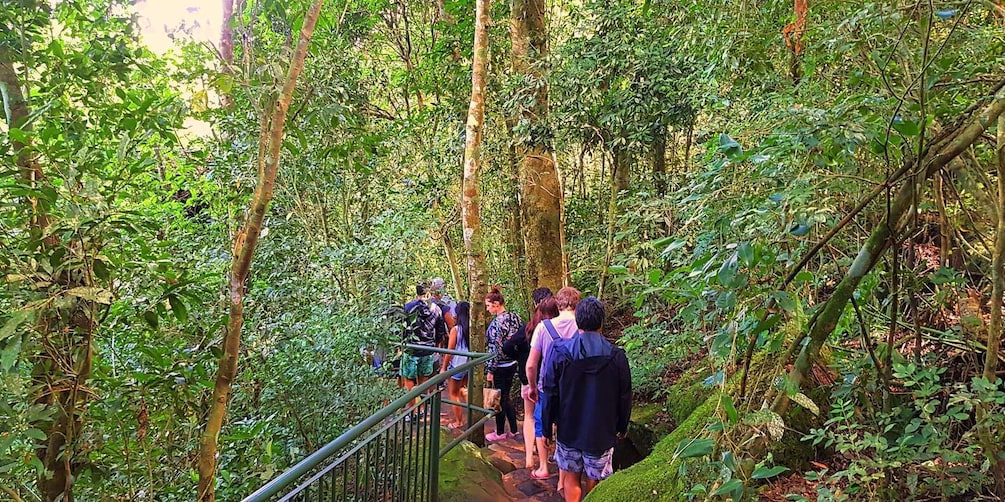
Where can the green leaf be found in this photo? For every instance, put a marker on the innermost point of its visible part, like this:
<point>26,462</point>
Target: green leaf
<point>784,300</point>
<point>35,434</point>
<point>655,276</point>
<point>730,409</point>
<point>15,320</point>
<point>150,317</point>
<point>746,253</point>
<point>729,147</point>
<point>665,241</point>
<point>733,487</point>
<point>906,127</point>
<point>690,448</point>
<point>727,272</point>
<point>178,307</point>
<point>768,472</point>
<point>618,269</point>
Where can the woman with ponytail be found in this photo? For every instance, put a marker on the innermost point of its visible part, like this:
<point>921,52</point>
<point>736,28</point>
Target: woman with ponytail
<point>499,370</point>
<point>458,341</point>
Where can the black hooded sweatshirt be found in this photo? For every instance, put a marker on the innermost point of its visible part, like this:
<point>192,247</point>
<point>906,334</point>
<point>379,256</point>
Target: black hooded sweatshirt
<point>589,393</point>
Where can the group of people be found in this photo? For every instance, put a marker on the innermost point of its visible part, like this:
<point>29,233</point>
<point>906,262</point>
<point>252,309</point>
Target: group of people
<point>574,383</point>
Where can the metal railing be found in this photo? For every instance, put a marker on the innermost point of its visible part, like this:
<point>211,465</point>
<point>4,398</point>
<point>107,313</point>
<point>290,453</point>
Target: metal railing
<point>392,455</point>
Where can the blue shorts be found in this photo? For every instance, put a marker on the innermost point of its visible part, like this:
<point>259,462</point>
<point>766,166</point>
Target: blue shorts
<point>573,460</point>
<point>538,421</point>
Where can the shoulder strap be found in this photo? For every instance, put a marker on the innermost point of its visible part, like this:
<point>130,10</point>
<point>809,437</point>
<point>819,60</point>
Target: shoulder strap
<point>551,329</point>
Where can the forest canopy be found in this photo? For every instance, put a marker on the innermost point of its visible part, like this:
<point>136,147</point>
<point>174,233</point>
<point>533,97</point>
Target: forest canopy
<point>795,210</point>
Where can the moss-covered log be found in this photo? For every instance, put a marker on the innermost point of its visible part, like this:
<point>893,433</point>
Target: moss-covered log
<point>936,159</point>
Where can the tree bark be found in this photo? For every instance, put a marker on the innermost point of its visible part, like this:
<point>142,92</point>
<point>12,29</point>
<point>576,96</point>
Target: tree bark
<point>61,370</point>
<point>620,172</point>
<point>793,33</point>
<point>540,187</point>
<point>270,147</point>
<point>991,440</point>
<point>660,161</point>
<point>455,272</point>
<point>16,112</point>
<point>935,160</point>
<point>474,248</point>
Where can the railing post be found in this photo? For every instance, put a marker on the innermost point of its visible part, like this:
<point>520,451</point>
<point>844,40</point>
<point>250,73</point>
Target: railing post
<point>471,384</point>
<point>434,448</point>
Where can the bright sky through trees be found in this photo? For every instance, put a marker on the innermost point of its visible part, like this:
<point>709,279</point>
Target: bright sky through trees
<point>160,21</point>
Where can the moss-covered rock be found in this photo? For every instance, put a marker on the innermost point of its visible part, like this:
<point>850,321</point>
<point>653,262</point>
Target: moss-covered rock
<point>658,477</point>
<point>466,474</point>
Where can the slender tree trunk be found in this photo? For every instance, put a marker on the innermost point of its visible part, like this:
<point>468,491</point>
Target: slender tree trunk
<point>61,370</point>
<point>619,182</point>
<point>660,161</point>
<point>16,112</point>
<point>455,271</point>
<point>992,441</point>
<point>471,220</point>
<point>540,187</point>
<point>936,158</point>
<point>793,33</point>
<point>270,147</point>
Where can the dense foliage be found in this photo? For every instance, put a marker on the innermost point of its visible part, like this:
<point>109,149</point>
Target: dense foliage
<point>128,174</point>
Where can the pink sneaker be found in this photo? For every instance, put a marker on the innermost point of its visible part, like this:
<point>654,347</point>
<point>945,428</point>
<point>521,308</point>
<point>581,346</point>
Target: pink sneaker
<point>495,437</point>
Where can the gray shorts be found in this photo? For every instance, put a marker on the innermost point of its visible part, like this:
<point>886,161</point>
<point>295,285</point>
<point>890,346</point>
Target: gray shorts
<point>573,460</point>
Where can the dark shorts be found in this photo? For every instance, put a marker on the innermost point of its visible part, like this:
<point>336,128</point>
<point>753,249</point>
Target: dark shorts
<point>413,367</point>
<point>573,460</point>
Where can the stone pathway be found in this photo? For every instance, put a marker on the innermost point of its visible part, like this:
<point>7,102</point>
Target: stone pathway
<point>508,458</point>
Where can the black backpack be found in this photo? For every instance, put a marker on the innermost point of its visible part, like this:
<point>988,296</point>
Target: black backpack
<point>517,347</point>
<point>415,320</point>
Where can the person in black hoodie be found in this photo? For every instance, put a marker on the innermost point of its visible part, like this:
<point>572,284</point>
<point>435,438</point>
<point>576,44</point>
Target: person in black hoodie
<point>589,397</point>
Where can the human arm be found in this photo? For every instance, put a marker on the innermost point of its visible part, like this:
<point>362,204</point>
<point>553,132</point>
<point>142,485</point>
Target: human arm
<point>490,342</point>
<point>533,362</point>
<point>624,393</point>
<point>452,345</point>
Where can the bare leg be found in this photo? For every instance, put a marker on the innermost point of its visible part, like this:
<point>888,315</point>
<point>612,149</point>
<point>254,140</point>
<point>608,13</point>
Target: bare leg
<point>590,484</point>
<point>528,433</point>
<point>454,391</point>
<point>542,456</point>
<point>409,384</point>
<point>573,492</point>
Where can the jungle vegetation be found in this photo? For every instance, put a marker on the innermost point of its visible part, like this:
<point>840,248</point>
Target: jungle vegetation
<point>796,207</point>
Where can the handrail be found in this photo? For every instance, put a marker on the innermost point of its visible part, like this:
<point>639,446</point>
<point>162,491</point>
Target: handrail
<point>289,477</point>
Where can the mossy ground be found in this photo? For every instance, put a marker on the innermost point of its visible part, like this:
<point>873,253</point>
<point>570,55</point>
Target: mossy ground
<point>692,405</point>
<point>658,476</point>
<point>467,475</point>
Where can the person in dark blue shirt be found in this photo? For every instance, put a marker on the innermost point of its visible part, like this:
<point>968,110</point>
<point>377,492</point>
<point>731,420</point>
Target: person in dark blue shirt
<point>589,397</point>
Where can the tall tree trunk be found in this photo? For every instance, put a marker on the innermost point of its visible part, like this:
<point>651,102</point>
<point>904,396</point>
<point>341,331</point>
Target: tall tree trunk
<point>620,172</point>
<point>540,187</point>
<point>937,158</point>
<point>471,220</point>
<point>269,149</point>
<point>61,370</point>
<point>514,228</point>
